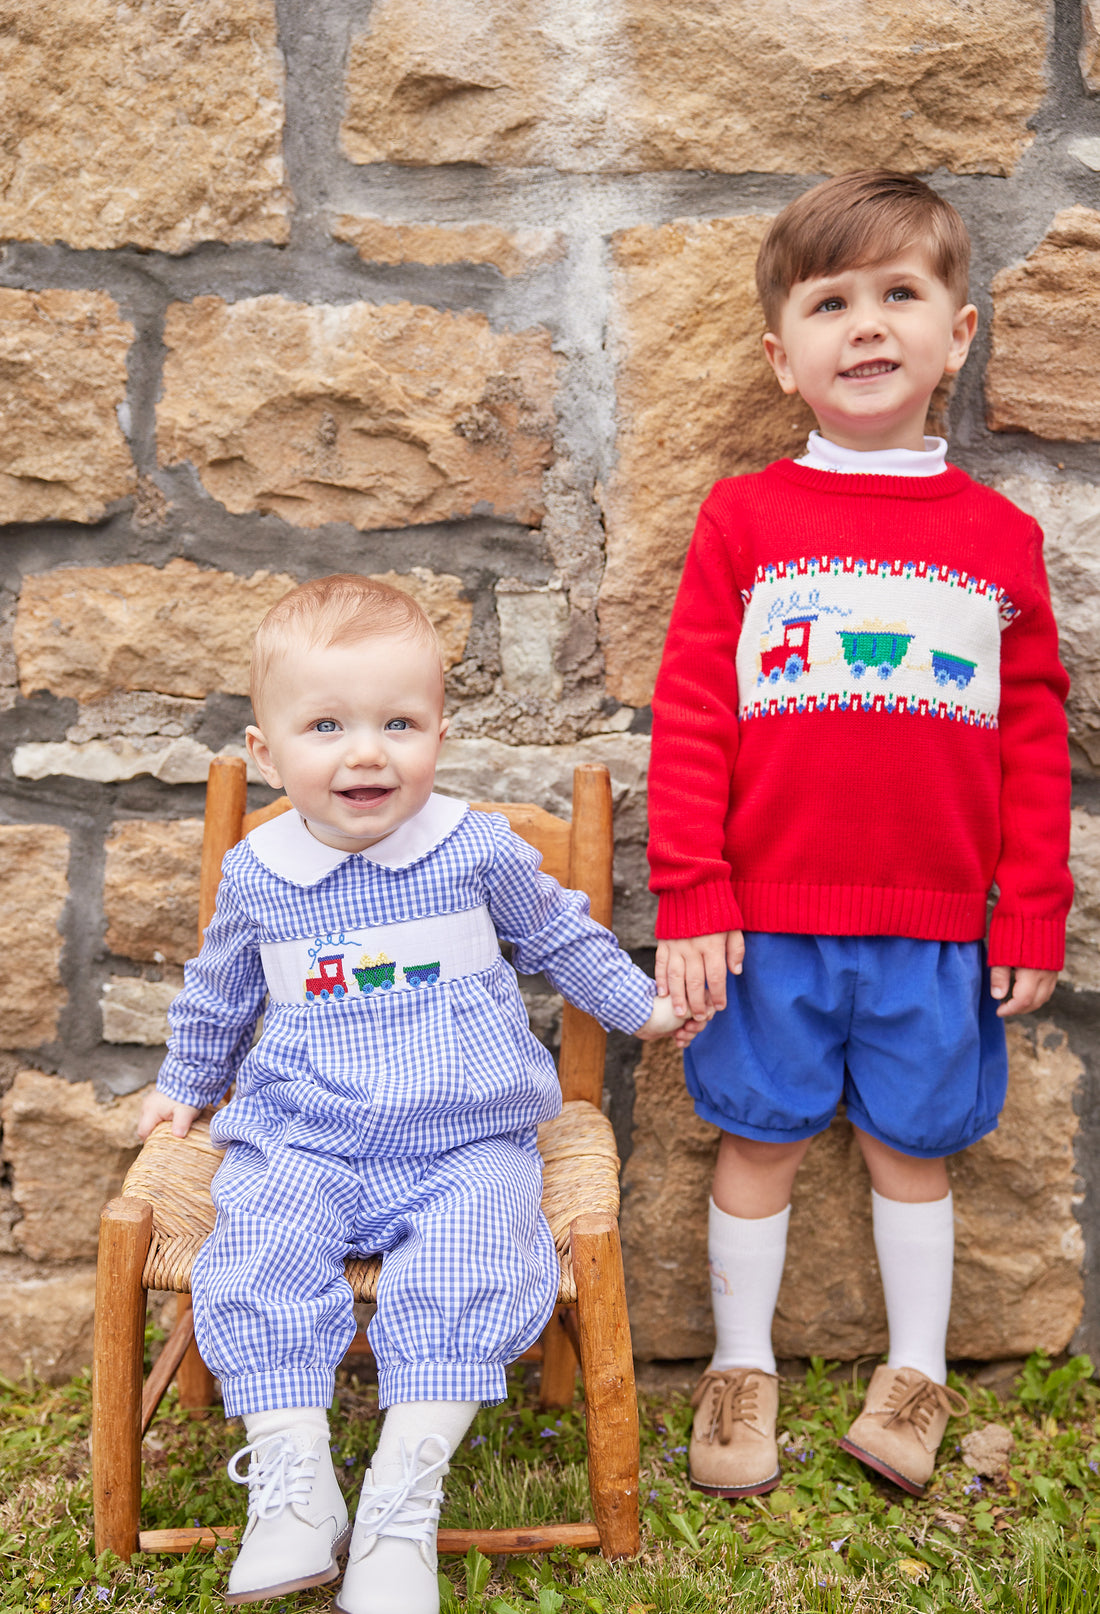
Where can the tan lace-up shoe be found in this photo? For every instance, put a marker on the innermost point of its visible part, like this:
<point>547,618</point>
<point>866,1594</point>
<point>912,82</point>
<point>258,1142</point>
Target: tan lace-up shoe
<point>898,1433</point>
<point>733,1450</point>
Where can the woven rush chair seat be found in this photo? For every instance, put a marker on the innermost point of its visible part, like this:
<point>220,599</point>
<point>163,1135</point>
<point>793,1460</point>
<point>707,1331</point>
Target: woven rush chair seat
<point>150,1235</point>
<point>173,1175</point>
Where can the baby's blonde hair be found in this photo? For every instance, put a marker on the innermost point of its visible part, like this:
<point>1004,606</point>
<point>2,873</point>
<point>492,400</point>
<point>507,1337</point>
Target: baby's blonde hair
<point>342,609</point>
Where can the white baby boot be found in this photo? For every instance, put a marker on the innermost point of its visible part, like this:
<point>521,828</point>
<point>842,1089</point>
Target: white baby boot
<point>297,1516</point>
<point>392,1562</point>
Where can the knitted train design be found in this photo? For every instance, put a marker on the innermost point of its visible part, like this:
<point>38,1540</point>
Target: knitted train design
<point>868,635</point>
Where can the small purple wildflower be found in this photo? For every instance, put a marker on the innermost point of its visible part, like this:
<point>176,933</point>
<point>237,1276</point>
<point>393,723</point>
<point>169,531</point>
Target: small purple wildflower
<point>1095,1466</point>
<point>478,1440</point>
<point>653,1496</point>
<point>103,1593</point>
<point>836,1545</point>
<point>678,1451</point>
<point>975,1485</point>
<point>549,1434</point>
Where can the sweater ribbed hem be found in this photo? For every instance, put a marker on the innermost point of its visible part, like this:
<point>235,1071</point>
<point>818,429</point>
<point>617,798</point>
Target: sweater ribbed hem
<point>829,910</point>
<point>1032,944</point>
<point>703,910</point>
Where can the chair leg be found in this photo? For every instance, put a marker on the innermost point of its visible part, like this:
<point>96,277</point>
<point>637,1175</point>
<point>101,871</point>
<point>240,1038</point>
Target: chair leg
<point>124,1231</point>
<point>610,1398</point>
<point>558,1380</point>
<point>196,1386</point>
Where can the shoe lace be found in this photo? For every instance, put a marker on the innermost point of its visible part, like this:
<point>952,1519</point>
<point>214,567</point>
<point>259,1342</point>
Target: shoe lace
<point>409,1508</point>
<point>278,1475</point>
<point>733,1401</point>
<point>914,1401</point>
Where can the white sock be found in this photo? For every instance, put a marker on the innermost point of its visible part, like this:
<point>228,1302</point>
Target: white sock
<point>257,1425</point>
<point>915,1245</point>
<point>746,1267</point>
<point>407,1422</point>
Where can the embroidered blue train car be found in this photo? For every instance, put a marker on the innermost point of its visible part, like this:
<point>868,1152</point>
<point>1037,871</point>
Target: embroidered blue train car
<point>421,974</point>
<point>947,669</point>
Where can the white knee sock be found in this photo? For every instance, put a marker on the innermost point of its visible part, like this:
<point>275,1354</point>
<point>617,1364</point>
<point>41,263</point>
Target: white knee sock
<point>915,1245</point>
<point>746,1267</point>
<point>409,1422</point>
<point>257,1425</point>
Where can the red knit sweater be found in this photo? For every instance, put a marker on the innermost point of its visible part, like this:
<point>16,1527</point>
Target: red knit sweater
<point>858,725</point>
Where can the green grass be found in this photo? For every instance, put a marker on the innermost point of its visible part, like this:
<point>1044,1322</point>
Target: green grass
<point>828,1541</point>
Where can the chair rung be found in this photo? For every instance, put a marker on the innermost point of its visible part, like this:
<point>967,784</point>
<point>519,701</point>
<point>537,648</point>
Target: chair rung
<point>543,1538</point>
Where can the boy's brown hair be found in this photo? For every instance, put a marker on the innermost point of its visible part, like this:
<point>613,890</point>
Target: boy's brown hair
<point>342,609</point>
<point>854,220</point>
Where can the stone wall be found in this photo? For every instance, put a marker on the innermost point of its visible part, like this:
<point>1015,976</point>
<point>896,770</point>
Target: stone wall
<point>462,297</point>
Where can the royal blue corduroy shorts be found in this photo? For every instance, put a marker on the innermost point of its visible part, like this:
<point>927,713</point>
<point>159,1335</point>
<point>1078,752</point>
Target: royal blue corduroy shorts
<point>903,1031</point>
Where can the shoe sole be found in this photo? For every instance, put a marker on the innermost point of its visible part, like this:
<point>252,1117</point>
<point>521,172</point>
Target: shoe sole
<point>264,1593</point>
<point>869,1460</point>
<point>730,1493</point>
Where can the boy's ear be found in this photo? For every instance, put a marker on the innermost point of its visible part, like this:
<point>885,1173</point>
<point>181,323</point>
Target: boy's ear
<point>444,725</point>
<point>776,355</point>
<point>962,334</point>
<point>260,752</point>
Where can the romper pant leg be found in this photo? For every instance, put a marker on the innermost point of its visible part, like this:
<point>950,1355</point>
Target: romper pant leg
<point>273,1309</point>
<point>470,1275</point>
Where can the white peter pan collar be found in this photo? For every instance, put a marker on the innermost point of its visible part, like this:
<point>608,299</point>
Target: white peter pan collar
<point>285,847</point>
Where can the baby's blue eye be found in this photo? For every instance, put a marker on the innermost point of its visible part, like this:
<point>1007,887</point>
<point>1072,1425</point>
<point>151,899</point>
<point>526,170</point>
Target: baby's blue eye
<point>327,725</point>
<point>900,294</point>
<point>397,724</point>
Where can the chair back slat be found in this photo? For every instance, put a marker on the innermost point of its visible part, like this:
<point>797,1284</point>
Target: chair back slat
<point>226,794</point>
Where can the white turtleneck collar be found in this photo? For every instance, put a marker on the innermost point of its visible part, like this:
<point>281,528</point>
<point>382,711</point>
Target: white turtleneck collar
<point>821,455</point>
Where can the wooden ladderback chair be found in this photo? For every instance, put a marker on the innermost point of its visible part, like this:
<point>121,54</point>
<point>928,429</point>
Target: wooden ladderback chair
<point>149,1237</point>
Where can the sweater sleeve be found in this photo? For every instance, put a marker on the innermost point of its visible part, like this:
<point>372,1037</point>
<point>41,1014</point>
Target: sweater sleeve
<point>695,741</point>
<point>1032,875</point>
<point>549,928</point>
<point>213,1018</point>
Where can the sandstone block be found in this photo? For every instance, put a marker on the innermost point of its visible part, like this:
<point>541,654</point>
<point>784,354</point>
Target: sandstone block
<point>696,400</point>
<point>533,624</point>
<point>1019,1252</point>
<point>151,889</point>
<point>136,1010</point>
<point>1090,45</point>
<point>174,762</point>
<point>378,416</point>
<point>34,863</point>
<point>67,1155</point>
<point>513,252</point>
<point>157,125</point>
<point>1069,514</point>
<point>62,378</point>
<point>487,770</point>
<point>45,1319</point>
<point>734,88</point>
<point>1044,371</point>
<point>88,631</point>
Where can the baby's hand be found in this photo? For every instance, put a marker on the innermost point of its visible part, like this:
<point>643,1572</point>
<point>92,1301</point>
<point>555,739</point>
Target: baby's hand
<point>159,1107</point>
<point>664,1020</point>
<point>1030,989</point>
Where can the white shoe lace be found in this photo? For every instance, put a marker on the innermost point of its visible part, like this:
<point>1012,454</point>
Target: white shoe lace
<point>410,1508</point>
<point>278,1475</point>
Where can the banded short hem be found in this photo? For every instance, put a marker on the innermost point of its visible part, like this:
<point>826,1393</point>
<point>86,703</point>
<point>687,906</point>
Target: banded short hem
<point>938,1151</point>
<point>278,1388</point>
<point>442,1381</point>
<point>762,1134</point>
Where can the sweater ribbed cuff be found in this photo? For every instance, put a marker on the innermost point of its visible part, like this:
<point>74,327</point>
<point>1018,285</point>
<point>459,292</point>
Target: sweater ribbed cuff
<point>1031,944</point>
<point>704,910</point>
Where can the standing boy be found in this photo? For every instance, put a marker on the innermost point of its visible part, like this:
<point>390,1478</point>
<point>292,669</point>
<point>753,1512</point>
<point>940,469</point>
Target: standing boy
<point>858,733</point>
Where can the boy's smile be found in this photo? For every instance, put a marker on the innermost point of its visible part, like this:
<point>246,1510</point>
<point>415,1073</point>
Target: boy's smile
<point>352,734</point>
<point>866,348</point>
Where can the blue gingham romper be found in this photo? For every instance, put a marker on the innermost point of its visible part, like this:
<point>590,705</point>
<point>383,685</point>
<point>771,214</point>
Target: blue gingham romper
<point>390,1104</point>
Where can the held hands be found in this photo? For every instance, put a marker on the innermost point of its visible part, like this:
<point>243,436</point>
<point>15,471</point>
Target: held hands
<point>664,1021</point>
<point>1030,989</point>
<point>159,1107</point>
